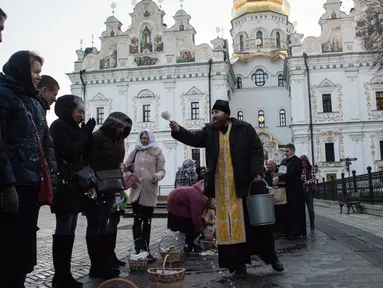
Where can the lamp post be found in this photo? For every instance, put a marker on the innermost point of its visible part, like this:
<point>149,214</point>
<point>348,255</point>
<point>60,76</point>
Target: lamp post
<point>348,162</point>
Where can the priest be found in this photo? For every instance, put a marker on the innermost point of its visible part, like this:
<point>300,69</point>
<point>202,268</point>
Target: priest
<point>234,158</point>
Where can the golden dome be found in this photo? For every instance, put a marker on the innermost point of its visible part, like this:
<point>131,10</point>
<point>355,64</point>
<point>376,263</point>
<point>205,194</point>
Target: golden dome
<point>241,7</point>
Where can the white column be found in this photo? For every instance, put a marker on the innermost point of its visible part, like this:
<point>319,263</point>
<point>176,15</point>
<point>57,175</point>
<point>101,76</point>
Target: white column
<point>171,162</point>
<point>357,142</point>
<point>352,92</point>
<point>170,99</point>
<point>299,103</point>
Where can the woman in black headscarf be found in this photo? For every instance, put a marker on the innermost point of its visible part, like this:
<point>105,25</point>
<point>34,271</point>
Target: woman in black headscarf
<point>73,147</point>
<point>21,166</point>
<point>106,160</point>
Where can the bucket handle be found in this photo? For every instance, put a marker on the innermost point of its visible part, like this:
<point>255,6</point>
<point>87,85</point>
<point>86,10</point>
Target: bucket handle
<point>264,182</point>
<point>166,237</point>
<point>164,264</point>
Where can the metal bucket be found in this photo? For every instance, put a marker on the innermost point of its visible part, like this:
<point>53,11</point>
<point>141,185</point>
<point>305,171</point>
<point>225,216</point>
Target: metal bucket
<point>261,209</point>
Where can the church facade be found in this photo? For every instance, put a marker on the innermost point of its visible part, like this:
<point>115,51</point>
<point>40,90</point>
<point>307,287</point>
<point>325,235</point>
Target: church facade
<point>150,68</point>
<point>332,77</point>
<point>319,93</point>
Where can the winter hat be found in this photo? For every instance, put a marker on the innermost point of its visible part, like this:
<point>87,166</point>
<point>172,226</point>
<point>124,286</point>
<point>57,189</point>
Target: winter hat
<point>222,105</point>
<point>65,105</point>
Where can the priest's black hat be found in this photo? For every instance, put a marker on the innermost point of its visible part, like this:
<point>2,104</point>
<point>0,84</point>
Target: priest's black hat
<point>222,105</point>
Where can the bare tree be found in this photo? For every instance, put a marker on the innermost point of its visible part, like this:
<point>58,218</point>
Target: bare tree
<point>370,29</point>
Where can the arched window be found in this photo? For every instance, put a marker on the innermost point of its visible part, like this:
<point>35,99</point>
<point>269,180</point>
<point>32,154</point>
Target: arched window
<point>280,80</point>
<point>260,37</point>
<point>241,44</point>
<point>282,118</point>
<point>239,82</point>
<point>240,115</point>
<point>278,36</point>
<point>261,118</point>
<point>259,77</point>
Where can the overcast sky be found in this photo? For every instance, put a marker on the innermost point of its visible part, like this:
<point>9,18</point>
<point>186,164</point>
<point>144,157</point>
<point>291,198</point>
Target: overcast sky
<point>53,28</point>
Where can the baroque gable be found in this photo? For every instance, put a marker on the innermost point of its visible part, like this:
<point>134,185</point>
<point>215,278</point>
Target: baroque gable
<point>99,97</point>
<point>194,91</point>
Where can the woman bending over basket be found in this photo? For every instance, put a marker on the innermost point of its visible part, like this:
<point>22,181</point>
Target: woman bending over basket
<point>185,206</point>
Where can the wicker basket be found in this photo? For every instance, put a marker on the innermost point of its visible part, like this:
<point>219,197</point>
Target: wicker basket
<point>137,265</point>
<point>117,282</point>
<point>166,278</point>
<point>175,255</point>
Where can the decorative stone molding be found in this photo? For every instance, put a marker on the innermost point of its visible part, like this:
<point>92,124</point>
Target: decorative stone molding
<point>357,137</point>
<point>186,152</point>
<point>335,116</point>
<point>372,114</point>
<point>123,92</point>
<point>203,99</point>
<point>148,97</point>
<point>329,137</point>
<point>170,145</point>
<point>372,147</point>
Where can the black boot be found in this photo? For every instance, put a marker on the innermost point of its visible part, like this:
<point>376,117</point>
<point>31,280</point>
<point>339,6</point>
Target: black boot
<point>99,267</point>
<point>146,228</point>
<point>240,272</point>
<point>62,255</point>
<point>111,240</point>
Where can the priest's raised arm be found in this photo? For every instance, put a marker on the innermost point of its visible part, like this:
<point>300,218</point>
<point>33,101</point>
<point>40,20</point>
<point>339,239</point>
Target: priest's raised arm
<point>196,139</point>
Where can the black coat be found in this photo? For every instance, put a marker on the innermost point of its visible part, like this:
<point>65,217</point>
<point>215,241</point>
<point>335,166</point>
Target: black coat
<point>295,200</point>
<point>73,148</point>
<point>293,177</point>
<point>246,153</point>
<point>106,154</point>
<point>20,159</point>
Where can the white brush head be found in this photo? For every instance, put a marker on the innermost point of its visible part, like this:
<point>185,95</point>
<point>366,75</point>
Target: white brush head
<point>165,115</point>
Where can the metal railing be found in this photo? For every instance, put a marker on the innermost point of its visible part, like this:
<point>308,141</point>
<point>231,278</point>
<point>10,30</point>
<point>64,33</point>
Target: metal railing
<point>368,188</point>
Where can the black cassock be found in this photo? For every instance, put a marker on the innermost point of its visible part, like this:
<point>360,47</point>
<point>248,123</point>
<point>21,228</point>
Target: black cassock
<point>295,198</point>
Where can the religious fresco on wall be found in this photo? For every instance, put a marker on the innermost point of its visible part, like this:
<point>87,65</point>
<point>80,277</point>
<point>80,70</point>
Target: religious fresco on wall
<point>110,60</point>
<point>159,44</point>
<point>334,44</point>
<point>145,60</point>
<point>146,39</point>
<point>186,56</point>
<point>133,47</point>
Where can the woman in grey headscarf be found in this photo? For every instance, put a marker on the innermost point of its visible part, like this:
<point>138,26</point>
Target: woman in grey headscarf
<point>186,174</point>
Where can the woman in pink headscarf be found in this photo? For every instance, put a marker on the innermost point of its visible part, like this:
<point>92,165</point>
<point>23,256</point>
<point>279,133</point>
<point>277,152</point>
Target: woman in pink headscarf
<point>309,181</point>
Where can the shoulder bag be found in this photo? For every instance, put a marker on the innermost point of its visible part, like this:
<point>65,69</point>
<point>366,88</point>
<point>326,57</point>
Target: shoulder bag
<point>110,181</point>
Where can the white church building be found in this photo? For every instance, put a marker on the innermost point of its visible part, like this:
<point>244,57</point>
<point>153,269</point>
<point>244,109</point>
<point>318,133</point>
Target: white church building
<point>150,68</point>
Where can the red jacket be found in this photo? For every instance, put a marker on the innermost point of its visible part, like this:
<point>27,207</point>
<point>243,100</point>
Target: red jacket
<point>188,202</point>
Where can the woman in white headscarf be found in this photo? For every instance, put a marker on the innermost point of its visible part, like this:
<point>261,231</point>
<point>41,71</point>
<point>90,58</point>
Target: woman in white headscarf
<point>145,167</point>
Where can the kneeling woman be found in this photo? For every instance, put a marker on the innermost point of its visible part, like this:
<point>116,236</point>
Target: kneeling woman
<point>185,206</point>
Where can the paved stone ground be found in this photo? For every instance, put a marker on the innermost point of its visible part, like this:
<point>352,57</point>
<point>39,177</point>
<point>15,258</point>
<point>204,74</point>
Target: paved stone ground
<point>369,223</point>
<point>345,251</point>
<point>43,273</point>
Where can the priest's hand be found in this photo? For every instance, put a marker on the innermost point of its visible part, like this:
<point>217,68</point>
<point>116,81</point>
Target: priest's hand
<point>174,126</point>
<point>275,181</point>
<point>257,178</point>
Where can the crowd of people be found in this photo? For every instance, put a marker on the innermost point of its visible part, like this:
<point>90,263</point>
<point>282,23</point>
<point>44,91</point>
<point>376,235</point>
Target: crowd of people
<point>75,169</point>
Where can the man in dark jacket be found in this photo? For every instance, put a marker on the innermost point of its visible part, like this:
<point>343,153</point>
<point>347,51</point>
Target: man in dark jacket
<point>20,182</point>
<point>48,88</point>
<point>234,157</point>
<point>291,167</point>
